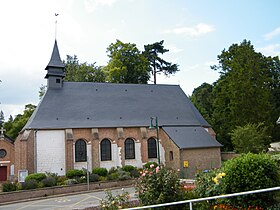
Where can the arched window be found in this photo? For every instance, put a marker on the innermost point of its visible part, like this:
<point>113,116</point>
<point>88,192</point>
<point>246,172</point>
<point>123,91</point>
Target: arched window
<point>105,147</point>
<point>80,151</point>
<point>152,148</point>
<point>129,149</point>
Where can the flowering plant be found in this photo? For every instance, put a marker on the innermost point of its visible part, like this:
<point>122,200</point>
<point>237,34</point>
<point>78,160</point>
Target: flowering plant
<point>119,201</point>
<point>158,185</point>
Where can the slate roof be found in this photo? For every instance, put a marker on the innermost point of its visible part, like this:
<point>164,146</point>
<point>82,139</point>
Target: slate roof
<point>96,105</point>
<point>191,137</point>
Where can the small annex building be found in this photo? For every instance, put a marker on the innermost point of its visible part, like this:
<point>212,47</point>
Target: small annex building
<point>107,125</point>
<point>7,156</point>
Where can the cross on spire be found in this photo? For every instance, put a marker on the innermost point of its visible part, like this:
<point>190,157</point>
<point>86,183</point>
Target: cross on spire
<point>2,130</point>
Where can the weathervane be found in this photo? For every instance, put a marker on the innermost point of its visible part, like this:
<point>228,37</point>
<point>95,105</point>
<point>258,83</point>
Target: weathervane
<point>56,14</point>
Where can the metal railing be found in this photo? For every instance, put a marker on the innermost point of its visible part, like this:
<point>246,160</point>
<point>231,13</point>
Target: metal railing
<point>207,198</point>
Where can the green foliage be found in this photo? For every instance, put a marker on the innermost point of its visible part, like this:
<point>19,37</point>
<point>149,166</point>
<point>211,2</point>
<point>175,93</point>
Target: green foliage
<point>250,138</point>
<point>148,165</point>
<point>49,182</point>
<point>134,173</point>
<point>9,187</point>
<point>100,171</point>
<point>156,63</point>
<point>113,176</point>
<point>127,64</point>
<point>119,201</point>
<point>74,173</point>
<point>158,185</point>
<point>15,126</point>
<point>128,168</point>
<point>82,72</point>
<point>70,181</point>
<point>94,177</point>
<point>202,97</point>
<point>250,172</point>
<point>29,184</point>
<point>247,91</point>
<point>36,176</point>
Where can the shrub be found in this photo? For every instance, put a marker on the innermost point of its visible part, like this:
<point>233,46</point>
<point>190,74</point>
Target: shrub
<point>49,182</point>
<point>119,201</point>
<point>128,168</point>
<point>9,187</point>
<point>113,176</point>
<point>250,172</point>
<point>134,173</point>
<point>100,171</point>
<point>74,173</point>
<point>37,176</point>
<point>123,175</point>
<point>70,181</point>
<point>113,170</point>
<point>148,165</point>
<point>29,184</point>
<point>94,177</point>
<point>158,185</point>
<point>61,180</point>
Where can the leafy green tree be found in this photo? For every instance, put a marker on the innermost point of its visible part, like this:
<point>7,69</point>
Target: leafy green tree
<point>202,98</point>
<point>156,63</point>
<point>14,127</point>
<point>127,64</point>
<point>250,138</point>
<point>243,92</point>
<point>42,91</point>
<point>82,72</point>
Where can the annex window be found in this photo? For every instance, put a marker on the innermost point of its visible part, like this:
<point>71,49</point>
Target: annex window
<point>57,81</point>
<point>105,147</point>
<point>129,149</point>
<point>152,148</point>
<point>80,151</point>
<point>171,155</point>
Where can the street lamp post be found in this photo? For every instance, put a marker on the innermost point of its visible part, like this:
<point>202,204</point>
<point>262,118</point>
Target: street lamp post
<point>156,127</point>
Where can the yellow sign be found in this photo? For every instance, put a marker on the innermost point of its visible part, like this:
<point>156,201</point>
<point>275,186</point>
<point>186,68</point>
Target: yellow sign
<point>186,164</point>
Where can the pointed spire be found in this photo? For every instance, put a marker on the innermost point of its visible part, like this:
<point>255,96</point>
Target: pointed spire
<point>55,58</point>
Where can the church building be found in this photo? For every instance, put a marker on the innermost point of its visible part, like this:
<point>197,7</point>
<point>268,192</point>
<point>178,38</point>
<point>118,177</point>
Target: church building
<point>84,124</point>
<point>7,156</point>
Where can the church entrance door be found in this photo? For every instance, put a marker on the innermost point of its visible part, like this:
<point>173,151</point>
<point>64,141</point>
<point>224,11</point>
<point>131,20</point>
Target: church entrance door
<point>3,173</point>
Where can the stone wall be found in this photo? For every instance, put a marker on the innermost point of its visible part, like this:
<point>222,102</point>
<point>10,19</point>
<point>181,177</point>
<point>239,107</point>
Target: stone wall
<point>52,191</point>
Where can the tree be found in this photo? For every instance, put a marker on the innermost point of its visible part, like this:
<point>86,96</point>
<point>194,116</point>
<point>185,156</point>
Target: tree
<point>42,91</point>
<point>14,127</point>
<point>157,64</point>
<point>243,91</point>
<point>127,64</point>
<point>202,98</point>
<point>82,72</point>
<point>250,138</point>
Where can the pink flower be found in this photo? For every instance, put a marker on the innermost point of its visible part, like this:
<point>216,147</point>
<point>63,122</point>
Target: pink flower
<point>157,169</point>
<point>143,174</point>
<point>152,165</point>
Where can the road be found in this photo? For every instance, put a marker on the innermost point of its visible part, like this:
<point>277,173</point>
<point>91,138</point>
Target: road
<point>78,201</point>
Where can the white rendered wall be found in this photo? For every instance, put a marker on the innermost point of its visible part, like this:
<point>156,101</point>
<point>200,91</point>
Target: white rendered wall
<point>137,162</point>
<point>50,151</point>
<point>81,165</point>
<point>116,158</point>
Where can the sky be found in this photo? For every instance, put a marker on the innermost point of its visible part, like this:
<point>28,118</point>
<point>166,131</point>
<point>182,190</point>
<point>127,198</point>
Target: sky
<point>194,31</point>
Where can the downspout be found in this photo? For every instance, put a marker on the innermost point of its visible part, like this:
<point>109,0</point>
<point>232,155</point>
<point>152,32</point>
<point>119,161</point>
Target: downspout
<point>35,151</point>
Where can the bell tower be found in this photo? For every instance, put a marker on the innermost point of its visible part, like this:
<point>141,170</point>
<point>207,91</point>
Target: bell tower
<point>55,69</point>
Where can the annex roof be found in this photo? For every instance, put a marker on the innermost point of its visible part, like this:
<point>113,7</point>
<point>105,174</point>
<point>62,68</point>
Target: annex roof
<point>191,137</point>
<point>96,105</point>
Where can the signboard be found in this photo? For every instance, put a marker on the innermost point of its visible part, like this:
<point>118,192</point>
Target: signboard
<point>22,174</point>
<point>186,164</point>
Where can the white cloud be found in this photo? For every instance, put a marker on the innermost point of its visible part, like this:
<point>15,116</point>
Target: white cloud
<point>272,34</point>
<point>174,49</point>
<point>91,5</point>
<point>195,31</point>
<point>270,50</point>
